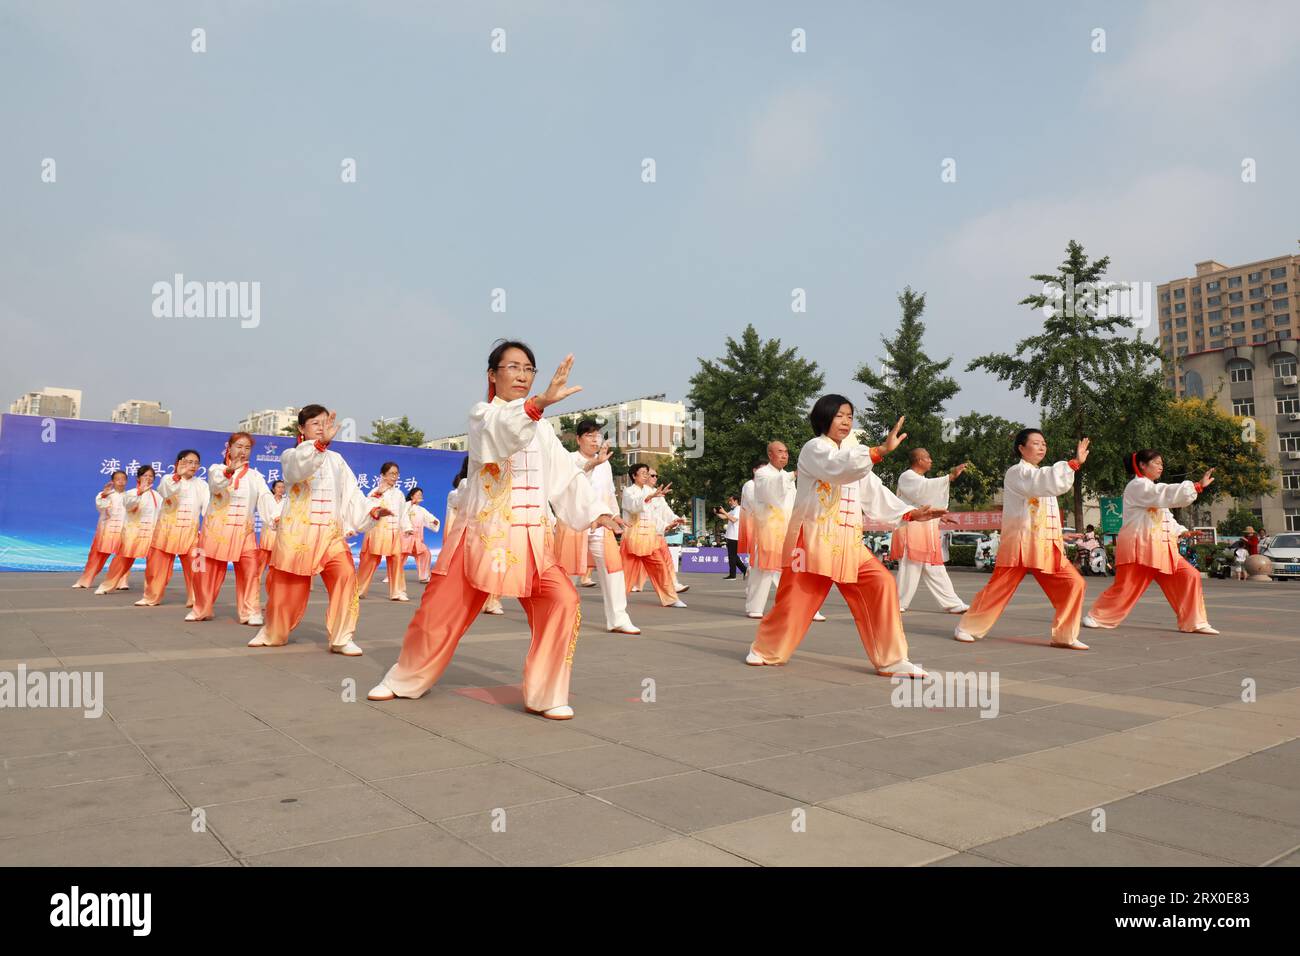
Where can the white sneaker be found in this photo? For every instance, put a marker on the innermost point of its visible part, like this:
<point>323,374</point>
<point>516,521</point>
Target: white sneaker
<point>75,586</point>
<point>819,616</point>
<point>258,641</point>
<point>683,587</point>
<point>401,597</point>
<point>903,668</point>
<point>143,603</point>
<point>380,692</point>
<point>625,629</point>
<point>754,614</point>
<point>754,659</point>
<point>101,590</point>
<point>496,610</point>
<point>349,649</point>
<point>255,620</point>
<point>960,635</point>
<point>563,712</point>
<point>959,609</point>
<point>1090,621</point>
<point>678,604</point>
<point>1205,629</point>
<point>191,616</point>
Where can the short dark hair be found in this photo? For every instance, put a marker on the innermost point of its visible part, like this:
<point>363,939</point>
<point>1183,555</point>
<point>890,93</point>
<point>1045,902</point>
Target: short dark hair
<point>116,473</point>
<point>757,463</point>
<point>633,469</point>
<point>188,451</point>
<point>308,412</point>
<point>383,469</point>
<point>278,481</point>
<point>824,411</point>
<point>585,426</point>
<point>500,347</point>
<point>143,468</point>
<point>1140,457</point>
<point>1022,437</point>
<point>411,494</point>
<point>463,473</point>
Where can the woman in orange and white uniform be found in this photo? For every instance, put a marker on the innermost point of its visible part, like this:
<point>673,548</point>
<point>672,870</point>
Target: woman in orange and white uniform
<point>1147,548</point>
<point>108,529</point>
<point>142,506</point>
<point>184,501</point>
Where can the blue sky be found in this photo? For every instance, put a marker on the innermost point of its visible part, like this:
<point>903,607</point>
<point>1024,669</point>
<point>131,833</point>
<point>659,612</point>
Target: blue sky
<point>521,170</point>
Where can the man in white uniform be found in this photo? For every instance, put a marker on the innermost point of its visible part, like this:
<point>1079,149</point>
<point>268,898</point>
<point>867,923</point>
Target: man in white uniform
<point>917,546</point>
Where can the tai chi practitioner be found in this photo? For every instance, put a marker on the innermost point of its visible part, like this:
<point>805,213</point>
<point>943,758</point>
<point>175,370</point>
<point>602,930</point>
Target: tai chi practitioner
<point>141,506</point>
<point>418,518</point>
<point>499,543</point>
<point>323,500</point>
<point>184,500</point>
<point>458,494</point>
<point>108,529</point>
<point>384,540</point>
<point>237,493</point>
<point>1147,548</point>
<point>918,546</point>
<point>592,460</point>
<point>270,525</point>
<point>640,548</point>
<point>743,531</point>
<point>823,545</point>
<point>773,502</point>
<point>1031,526</point>
<point>666,523</point>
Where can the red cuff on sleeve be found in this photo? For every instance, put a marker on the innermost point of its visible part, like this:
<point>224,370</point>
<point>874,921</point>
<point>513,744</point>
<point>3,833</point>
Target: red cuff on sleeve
<point>876,456</point>
<point>321,445</point>
<point>1198,487</point>
<point>1074,465</point>
<point>374,513</point>
<point>533,411</point>
<point>908,516</point>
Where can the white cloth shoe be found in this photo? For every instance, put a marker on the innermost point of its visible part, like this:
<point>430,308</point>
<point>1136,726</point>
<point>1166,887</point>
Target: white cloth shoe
<point>678,604</point>
<point>380,692</point>
<point>625,629</point>
<point>563,712</point>
<point>903,668</point>
<point>143,603</point>
<point>683,587</point>
<point>401,597</point>
<point>495,610</point>
<point>960,635</point>
<point>349,649</point>
<point>255,620</point>
<point>258,641</point>
<point>1090,621</point>
<point>191,616</point>
<point>75,586</point>
<point>959,609</point>
<point>819,616</point>
<point>753,614</point>
<point>1205,629</point>
<point>754,659</point>
<point>101,590</point>
<point>1075,645</point>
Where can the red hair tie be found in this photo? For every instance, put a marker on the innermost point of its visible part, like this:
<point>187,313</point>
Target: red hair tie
<point>1135,463</point>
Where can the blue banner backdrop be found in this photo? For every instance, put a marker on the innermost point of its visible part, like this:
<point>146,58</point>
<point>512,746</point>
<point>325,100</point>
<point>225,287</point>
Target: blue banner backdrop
<point>52,468</point>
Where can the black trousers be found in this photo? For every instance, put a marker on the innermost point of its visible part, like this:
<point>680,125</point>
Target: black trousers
<point>734,563</point>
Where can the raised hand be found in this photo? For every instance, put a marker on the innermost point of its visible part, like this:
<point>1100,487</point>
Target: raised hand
<point>894,439</point>
<point>331,427</point>
<point>956,472</point>
<point>559,389</point>
<point>604,453</point>
<point>107,488</point>
<point>926,514</point>
<point>1207,477</point>
<point>612,522</point>
<point>1081,453</point>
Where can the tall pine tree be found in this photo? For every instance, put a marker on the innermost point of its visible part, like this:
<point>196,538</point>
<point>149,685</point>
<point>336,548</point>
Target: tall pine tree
<point>909,383</point>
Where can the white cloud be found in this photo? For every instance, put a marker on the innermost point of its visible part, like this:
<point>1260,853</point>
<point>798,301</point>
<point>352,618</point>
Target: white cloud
<point>786,139</point>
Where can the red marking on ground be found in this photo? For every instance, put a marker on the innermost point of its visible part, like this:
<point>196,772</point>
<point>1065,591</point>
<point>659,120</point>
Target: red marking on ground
<point>503,694</point>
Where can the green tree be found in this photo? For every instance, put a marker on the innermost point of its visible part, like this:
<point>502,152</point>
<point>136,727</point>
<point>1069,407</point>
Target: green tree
<point>909,383</point>
<point>399,432</point>
<point>1236,521</point>
<point>754,393</point>
<point>1069,368</point>
<point>986,442</point>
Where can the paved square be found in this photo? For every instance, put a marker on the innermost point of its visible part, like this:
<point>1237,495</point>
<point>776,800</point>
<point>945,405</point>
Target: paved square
<point>211,753</point>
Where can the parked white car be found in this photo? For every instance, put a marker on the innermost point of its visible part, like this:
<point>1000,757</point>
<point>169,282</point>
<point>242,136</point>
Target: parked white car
<point>1284,551</point>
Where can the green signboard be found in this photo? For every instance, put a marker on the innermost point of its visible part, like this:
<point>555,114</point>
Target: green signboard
<point>1112,515</point>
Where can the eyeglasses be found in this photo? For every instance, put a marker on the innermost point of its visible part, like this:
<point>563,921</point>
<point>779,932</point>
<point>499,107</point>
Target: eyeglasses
<point>653,475</point>
<point>514,369</point>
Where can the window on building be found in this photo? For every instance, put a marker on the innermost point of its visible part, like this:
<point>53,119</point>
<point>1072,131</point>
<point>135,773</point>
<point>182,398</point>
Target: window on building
<point>1292,518</point>
<point>1216,315</point>
<point>1234,282</point>
<point>1291,481</point>
<point>1239,326</point>
<point>1260,337</point>
<point>1258,323</point>
<point>1277,273</point>
<point>1182,350</point>
<point>1216,330</point>
<point>1283,334</point>
<point>1279,287</point>
<point>1234,296</point>
<point>1283,367</point>
<point>1212,286</point>
<point>1241,373</point>
<point>1180,307</point>
<point>1281,303</point>
<point>1180,293</point>
<point>1181,322</point>
<point>1285,406</point>
<point>1257,307</point>
<point>1182,336</point>
<point>1282,319</point>
<point>1240,341</point>
<point>1243,406</point>
<point>1288,441</point>
<point>1214,300</point>
<point>1257,293</point>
